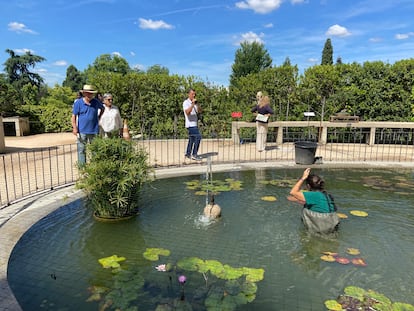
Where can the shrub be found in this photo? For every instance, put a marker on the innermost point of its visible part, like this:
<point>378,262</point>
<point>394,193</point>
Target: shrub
<point>113,177</point>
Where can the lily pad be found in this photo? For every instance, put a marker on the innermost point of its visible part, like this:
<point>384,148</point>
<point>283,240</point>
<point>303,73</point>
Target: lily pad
<point>353,251</point>
<point>216,268</point>
<point>333,305</point>
<point>359,213</point>
<point>253,275</point>
<point>378,297</point>
<point>231,273</point>
<point>191,263</point>
<point>342,260</point>
<point>358,262</point>
<point>399,306</point>
<point>200,193</point>
<point>111,261</point>
<point>355,292</point>
<point>154,254</point>
<point>328,258</point>
<point>330,254</point>
<point>342,215</point>
<point>269,198</point>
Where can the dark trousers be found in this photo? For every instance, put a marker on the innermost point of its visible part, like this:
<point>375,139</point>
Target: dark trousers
<point>194,139</point>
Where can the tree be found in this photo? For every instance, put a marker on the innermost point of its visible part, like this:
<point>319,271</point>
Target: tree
<point>249,58</point>
<point>8,97</point>
<point>327,53</point>
<point>157,70</point>
<point>109,63</point>
<point>17,69</point>
<point>74,79</point>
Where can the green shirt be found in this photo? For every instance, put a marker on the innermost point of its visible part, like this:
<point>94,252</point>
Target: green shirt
<point>318,202</point>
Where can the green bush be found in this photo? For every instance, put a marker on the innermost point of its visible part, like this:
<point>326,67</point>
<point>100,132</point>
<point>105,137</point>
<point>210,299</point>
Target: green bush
<point>113,177</point>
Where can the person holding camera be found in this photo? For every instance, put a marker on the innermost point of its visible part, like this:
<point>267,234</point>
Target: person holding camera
<point>263,111</point>
<point>191,110</point>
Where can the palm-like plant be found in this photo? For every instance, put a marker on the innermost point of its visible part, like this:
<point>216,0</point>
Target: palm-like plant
<point>113,177</point>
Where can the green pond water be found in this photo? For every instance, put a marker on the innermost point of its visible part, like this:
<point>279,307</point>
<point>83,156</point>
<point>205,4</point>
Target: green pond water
<point>55,264</point>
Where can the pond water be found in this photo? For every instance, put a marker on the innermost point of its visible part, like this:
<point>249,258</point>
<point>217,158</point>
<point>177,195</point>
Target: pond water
<point>55,264</point>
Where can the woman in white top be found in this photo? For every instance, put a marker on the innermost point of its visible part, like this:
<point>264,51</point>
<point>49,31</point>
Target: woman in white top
<point>110,122</point>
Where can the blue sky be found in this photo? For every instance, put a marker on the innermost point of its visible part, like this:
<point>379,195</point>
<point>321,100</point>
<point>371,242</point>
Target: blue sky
<point>201,37</point>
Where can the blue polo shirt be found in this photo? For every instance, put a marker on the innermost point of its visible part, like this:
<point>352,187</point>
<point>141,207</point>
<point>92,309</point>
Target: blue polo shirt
<point>87,115</point>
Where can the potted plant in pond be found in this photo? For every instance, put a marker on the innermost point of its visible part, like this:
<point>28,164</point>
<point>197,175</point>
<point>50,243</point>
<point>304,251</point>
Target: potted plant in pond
<point>113,177</point>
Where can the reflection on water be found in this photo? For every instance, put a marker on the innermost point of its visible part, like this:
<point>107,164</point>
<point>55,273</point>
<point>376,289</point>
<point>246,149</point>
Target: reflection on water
<point>56,261</point>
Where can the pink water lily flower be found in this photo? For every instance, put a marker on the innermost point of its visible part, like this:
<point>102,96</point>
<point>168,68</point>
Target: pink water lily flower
<point>182,279</point>
<point>161,268</point>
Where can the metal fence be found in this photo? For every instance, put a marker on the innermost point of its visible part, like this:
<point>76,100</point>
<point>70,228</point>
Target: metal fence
<point>29,172</point>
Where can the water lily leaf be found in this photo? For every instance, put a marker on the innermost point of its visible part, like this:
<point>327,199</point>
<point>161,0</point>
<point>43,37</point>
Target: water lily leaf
<point>242,299</point>
<point>269,198</point>
<point>264,182</point>
<point>358,262</point>
<point>283,183</point>
<point>353,251</point>
<point>359,213</point>
<point>342,215</point>
<point>191,263</point>
<point>154,254</point>
<point>253,275</point>
<point>249,288</point>
<point>330,254</point>
<point>201,193</point>
<point>333,305</point>
<point>231,273</point>
<point>111,261</point>
<point>355,292</point>
<point>342,260</point>
<point>232,287</point>
<point>328,258</point>
<point>216,268</point>
<point>378,297</point>
<point>399,306</point>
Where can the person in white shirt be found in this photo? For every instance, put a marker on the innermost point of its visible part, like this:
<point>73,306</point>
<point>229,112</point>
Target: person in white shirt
<point>110,122</point>
<point>191,109</point>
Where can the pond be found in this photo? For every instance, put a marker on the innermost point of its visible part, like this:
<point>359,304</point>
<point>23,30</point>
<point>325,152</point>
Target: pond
<point>55,264</point>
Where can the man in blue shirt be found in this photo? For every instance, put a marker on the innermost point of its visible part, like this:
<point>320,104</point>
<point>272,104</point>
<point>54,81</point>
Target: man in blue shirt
<point>85,119</point>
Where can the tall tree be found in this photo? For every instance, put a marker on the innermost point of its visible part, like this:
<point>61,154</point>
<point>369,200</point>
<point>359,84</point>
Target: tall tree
<point>327,53</point>
<point>249,58</point>
<point>17,69</point>
<point>158,69</point>
<point>74,79</point>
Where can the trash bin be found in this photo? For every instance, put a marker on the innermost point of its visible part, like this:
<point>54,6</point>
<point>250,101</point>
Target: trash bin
<point>305,152</point>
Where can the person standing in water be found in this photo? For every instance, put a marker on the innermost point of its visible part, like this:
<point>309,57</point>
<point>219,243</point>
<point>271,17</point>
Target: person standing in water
<point>319,210</point>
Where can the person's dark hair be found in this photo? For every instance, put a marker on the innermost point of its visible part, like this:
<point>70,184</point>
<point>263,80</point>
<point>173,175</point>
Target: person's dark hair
<point>315,182</point>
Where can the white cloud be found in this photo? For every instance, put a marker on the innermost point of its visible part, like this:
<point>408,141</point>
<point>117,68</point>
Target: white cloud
<point>403,36</point>
<point>60,63</point>
<point>375,39</point>
<point>154,25</point>
<point>260,6</point>
<point>312,60</point>
<point>297,1</point>
<point>138,67</point>
<point>23,51</point>
<point>270,25</point>
<point>19,28</point>
<point>132,53</point>
<point>337,31</point>
<point>251,37</point>
<point>116,54</point>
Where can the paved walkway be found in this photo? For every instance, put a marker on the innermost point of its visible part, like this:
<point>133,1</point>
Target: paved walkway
<point>17,218</point>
